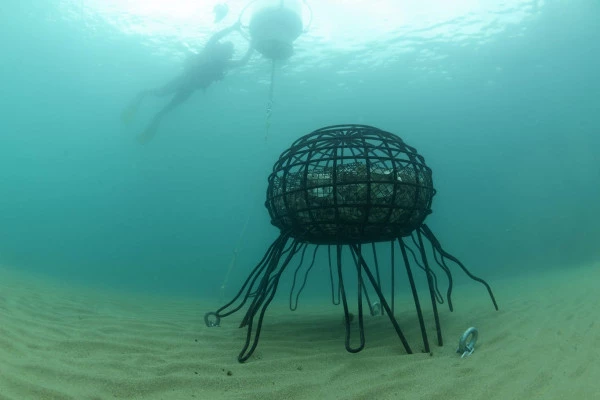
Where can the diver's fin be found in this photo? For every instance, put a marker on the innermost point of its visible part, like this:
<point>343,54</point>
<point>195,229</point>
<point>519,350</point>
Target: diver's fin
<point>146,136</point>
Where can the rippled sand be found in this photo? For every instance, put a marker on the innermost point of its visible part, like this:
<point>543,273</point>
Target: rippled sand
<point>61,342</point>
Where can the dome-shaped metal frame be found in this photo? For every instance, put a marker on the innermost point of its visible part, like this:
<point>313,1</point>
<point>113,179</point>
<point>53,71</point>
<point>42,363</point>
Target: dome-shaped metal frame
<point>349,184</point>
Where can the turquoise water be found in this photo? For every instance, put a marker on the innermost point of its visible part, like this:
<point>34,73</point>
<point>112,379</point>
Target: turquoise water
<point>500,97</point>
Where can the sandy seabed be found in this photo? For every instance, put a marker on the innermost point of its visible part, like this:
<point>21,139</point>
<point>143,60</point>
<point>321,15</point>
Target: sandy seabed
<point>66,342</point>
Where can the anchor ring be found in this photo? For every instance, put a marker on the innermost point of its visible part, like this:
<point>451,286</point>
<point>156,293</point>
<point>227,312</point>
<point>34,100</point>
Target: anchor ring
<point>375,308</point>
<point>213,323</point>
<point>466,344</point>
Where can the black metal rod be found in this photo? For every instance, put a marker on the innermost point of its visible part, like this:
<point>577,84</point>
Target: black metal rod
<point>274,251</point>
<point>384,303</point>
<point>333,300</point>
<point>431,237</point>
<point>266,296</point>
<point>413,288</point>
<point>347,319</point>
<point>428,271</point>
<point>393,278</point>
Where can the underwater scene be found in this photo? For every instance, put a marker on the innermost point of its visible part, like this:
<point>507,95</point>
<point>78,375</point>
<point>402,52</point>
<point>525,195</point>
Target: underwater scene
<point>299,199</point>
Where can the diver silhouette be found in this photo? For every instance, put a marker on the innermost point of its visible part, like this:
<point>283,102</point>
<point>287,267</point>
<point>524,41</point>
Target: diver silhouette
<point>200,70</point>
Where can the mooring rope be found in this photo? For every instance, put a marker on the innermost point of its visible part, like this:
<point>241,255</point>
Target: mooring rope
<point>270,102</point>
<point>232,263</point>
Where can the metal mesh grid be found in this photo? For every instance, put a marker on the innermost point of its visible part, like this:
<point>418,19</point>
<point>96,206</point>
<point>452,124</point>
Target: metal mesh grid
<point>349,184</point>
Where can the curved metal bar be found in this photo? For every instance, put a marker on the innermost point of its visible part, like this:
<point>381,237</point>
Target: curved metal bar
<point>333,300</point>
<point>262,302</point>
<point>416,300</point>
<point>382,299</point>
<point>436,316</point>
<point>347,318</point>
<point>431,237</point>
<point>294,305</point>
<point>274,251</point>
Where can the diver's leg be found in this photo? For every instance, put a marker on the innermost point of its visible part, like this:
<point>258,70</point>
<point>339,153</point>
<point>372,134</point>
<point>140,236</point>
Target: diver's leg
<point>150,131</point>
<point>129,112</point>
<point>171,87</point>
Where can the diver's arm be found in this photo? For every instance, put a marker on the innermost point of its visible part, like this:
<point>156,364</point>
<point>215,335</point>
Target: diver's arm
<point>242,61</point>
<point>221,34</point>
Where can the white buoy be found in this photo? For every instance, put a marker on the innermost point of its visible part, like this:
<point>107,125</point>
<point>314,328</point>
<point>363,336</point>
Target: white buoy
<point>274,26</point>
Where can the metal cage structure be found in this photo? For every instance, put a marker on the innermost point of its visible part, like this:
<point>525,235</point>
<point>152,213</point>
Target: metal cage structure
<point>346,187</point>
